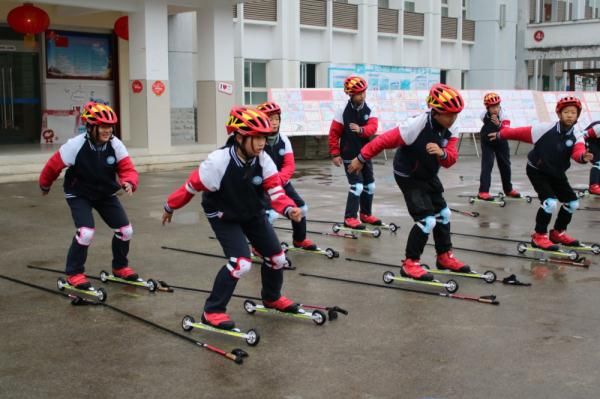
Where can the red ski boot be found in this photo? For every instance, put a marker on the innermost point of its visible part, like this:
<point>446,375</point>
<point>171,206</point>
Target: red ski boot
<point>540,240</point>
<point>282,304</point>
<point>126,273</point>
<point>370,219</point>
<point>79,281</point>
<point>514,194</point>
<point>485,196</point>
<point>447,261</point>
<point>354,223</point>
<point>411,268</point>
<point>561,237</point>
<point>595,189</point>
<point>218,320</point>
<point>305,244</point>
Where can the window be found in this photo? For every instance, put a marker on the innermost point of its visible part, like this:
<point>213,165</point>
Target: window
<point>255,82</point>
<point>444,8</point>
<point>465,7</point>
<point>308,76</point>
<point>383,3</point>
<point>409,6</point>
<point>443,76</point>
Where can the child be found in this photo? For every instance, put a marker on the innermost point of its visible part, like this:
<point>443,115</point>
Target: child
<point>493,121</point>
<point>98,166</point>
<point>547,163</point>
<point>593,140</point>
<point>280,150</point>
<point>424,145</point>
<point>350,131</point>
<point>234,181</point>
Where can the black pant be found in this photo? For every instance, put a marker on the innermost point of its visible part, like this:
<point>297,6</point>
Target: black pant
<point>232,237</point>
<point>549,186</point>
<point>424,198</point>
<point>113,214</point>
<point>365,199</point>
<point>501,152</point>
<point>595,173</point>
<point>299,228</point>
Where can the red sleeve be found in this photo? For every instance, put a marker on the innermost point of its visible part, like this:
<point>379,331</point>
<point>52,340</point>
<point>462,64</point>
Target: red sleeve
<point>127,173</point>
<point>591,133</point>
<point>51,171</point>
<point>186,192</point>
<point>370,128</point>
<point>578,152</point>
<point>517,133</point>
<point>451,153</point>
<point>288,167</point>
<point>280,202</point>
<point>335,133</point>
<point>390,139</point>
<point>505,123</point>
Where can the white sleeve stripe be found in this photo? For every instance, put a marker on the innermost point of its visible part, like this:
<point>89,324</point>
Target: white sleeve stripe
<point>275,196</point>
<point>190,189</point>
<point>274,190</point>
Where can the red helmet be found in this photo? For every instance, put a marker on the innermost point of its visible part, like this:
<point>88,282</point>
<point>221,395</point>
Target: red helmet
<point>491,99</point>
<point>567,101</point>
<point>444,99</point>
<point>249,122</point>
<point>98,114</point>
<point>355,85</point>
<point>269,108</point>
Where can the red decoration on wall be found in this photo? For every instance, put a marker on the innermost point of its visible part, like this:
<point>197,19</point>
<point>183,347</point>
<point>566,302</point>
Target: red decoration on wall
<point>137,86</point>
<point>122,27</point>
<point>158,87</point>
<point>28,19</point>
<point>538,36</point>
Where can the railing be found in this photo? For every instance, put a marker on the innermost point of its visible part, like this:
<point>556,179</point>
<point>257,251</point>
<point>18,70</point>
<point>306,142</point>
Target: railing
<point>414,24</point>
<point>313,12</point>
<point>449,28</point>
<point>263,10</point>
<point>345,16</point>
<point>387,20</point>
<point>468,30</point>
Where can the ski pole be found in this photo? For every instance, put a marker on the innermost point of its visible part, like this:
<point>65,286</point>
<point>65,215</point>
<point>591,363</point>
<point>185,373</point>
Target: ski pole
<point>235,355</point>
<point>488,299</point>
<point>465,213</point>
<point>323,233</point>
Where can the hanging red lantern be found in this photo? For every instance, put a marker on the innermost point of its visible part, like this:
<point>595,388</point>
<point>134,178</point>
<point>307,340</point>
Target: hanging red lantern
<point>28,19</point>
<point>121,27</point>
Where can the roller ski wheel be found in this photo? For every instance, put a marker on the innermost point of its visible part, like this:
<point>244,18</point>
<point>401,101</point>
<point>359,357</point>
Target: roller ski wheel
<point>451,285</point>
<point>488,276</point>
<point>317,316</point>
<point>98,294</point>
<point>252,337</point>
<point>593,248</point>
<point>150,284</point>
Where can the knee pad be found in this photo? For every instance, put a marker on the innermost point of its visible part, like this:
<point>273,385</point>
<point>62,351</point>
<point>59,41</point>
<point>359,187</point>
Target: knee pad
<point>277,261</point>
<point>549,205</point>
<point>272,215</point>
<point>427,224</point>
<point>124,233</point>
<point>370,188</point>
<point>444,215</point>
<point>356,189</point>
<point>85,235</point>
<point>571,206</point>
<point>239,266</point>
<point>304,209</point>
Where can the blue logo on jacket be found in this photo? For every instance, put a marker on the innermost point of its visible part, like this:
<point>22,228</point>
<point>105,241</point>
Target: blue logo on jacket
<point>110,160</point>
<point>257,180</point>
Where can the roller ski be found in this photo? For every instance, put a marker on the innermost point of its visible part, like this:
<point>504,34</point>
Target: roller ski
<point>285,307</point>
<point>328,252</point>
<point>451,286</point>
<point>353,226</point>
<point>377,223</point>
<point>80,289</point>
<point>129,277</point>
<point>220,324</point>
<point>541,245</point>
<point>515,196</point>
<point>487,276</point>
<point>492,200</point>
<point>567,242</point>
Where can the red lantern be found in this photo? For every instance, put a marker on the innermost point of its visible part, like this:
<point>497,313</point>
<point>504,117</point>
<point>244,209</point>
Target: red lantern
<point>28,19</point>
<point>122,27</point>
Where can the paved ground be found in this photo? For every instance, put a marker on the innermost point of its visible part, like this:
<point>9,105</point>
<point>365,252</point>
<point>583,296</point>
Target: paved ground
<point>541,342</point>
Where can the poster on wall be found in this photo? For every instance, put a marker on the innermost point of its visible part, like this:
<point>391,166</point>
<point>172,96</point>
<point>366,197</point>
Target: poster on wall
<point>383,77</point>
<point>76,55</point>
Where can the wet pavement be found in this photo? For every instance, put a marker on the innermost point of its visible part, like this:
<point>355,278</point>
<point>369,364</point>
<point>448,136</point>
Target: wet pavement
<point>540,342</point>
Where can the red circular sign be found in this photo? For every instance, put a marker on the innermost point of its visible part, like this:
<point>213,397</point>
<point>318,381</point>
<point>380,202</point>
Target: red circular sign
<point>538,36</point>
<point>137,86</point>
<point>158,87</point>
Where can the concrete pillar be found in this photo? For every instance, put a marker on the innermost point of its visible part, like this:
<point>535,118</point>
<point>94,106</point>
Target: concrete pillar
<point>238,55</point>
<point>433,30</point>
<point>149,64</point>
<point>367,30</point>
<point>215,72</point>
<point>284,68</point>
